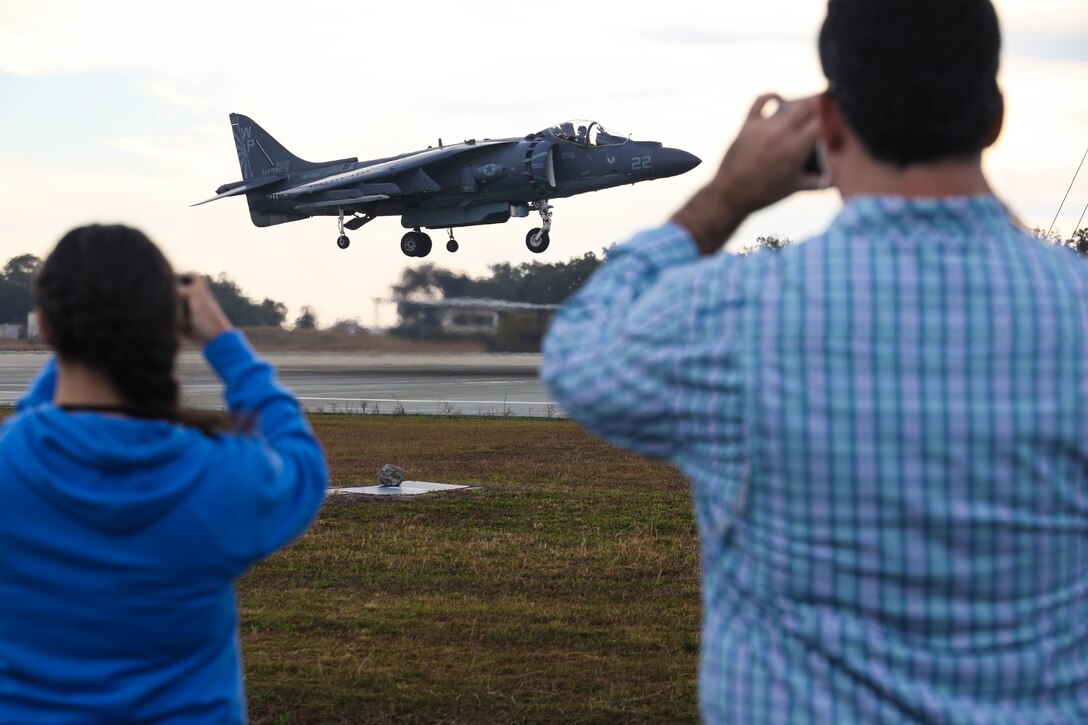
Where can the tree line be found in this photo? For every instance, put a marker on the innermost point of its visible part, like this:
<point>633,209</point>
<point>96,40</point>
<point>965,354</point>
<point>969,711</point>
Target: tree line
<point>540,283</point>
<point>1077,241</point>
<point>545,283</point>
<point>17,296</point>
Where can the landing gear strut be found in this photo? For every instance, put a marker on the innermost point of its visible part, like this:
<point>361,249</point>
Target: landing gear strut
<point>415,244</point>
<point>451,245</point>
<point>537,240</point>
<point>354,223</point>
<point>342,241</point>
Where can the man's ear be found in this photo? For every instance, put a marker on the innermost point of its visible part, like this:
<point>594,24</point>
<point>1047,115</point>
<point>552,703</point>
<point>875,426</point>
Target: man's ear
<point>998,122</point>
<point>832,124</point>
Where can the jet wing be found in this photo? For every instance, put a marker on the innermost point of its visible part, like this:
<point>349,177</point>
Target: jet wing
<point>341,202</point>
<point>385,169</point>
<point>241,187</point>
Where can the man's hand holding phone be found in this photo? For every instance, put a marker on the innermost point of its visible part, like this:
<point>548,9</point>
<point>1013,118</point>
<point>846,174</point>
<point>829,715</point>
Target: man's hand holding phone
<point>770,159</point>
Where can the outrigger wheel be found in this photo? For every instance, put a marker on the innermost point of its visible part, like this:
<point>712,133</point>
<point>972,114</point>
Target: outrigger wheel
<point>342,241</point>
<point>451,245</point>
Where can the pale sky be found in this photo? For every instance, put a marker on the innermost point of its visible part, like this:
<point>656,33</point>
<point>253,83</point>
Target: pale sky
<point>116,111</point>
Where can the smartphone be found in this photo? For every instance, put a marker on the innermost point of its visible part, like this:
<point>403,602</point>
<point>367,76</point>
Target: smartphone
<point>816,165</point>
<point>183,304</point>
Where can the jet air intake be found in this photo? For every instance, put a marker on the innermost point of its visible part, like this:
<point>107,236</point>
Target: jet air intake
<point>540,166</point>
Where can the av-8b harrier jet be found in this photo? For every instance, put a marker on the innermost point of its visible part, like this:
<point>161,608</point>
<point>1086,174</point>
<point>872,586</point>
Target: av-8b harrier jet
<point>447,186</point>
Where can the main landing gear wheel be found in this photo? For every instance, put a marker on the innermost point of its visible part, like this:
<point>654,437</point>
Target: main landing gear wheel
<point>415,244</point>
<point>537,240</point>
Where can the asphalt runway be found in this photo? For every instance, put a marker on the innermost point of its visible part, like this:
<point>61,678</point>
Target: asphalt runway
<point>470,384</point>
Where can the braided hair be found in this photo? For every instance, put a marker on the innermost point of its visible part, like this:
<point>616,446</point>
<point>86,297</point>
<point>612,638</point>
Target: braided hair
<point>109,298</point>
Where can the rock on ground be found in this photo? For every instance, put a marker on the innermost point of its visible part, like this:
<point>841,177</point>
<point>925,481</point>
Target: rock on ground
<point>390,475</point>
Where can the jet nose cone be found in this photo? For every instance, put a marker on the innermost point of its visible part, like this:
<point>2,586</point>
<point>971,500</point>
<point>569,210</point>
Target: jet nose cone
<point>673,162</point>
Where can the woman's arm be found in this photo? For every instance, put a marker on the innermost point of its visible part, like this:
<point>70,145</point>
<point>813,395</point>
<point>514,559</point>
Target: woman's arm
<point>286,478</point>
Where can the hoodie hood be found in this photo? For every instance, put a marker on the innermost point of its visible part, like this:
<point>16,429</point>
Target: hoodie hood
<point>115,474</point>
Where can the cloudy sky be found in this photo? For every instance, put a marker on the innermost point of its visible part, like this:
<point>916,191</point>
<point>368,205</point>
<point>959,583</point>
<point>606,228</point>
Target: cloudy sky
<point>117,111</point>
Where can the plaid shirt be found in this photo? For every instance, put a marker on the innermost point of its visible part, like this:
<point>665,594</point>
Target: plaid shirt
<point>886,428</point>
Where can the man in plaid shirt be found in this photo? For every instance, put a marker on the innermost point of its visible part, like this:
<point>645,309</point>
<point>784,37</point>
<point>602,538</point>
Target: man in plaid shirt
<point>885,426</point>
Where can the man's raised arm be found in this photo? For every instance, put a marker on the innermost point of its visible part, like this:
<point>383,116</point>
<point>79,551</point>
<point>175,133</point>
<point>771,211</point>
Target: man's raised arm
<point>617,356</point>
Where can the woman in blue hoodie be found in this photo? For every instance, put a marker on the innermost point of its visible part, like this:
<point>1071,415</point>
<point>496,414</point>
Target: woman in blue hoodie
<point>125,519</point>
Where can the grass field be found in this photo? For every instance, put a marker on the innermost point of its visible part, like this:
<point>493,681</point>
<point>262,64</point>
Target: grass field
<point>278,339</point>
<point>565,589</point>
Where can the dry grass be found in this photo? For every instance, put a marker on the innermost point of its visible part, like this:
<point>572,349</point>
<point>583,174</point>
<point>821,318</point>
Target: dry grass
<point>7,345</point>
<point>563,590</point>
<point>276,339</point>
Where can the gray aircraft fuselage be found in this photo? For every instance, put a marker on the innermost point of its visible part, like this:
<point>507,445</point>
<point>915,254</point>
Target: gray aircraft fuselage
<point>447,186</point>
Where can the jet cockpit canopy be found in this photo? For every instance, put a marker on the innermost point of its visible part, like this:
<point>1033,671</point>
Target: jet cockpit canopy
<point>586,133</point>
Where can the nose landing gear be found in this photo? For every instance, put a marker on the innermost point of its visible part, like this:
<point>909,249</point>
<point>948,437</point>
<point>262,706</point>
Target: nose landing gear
<point>451,245</point>
<point>537,240</point>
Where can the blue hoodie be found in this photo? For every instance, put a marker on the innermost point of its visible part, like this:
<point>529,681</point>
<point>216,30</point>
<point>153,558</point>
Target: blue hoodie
<point>120,540</point>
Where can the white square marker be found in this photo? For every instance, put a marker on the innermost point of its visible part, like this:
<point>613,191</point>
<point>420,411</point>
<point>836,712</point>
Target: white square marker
<point>408,488</point>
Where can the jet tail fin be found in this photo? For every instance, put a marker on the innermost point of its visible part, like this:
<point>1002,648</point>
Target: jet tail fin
<point>260,155</point>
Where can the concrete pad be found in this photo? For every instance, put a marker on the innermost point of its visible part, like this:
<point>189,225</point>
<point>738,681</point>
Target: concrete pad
<point>408,488</point>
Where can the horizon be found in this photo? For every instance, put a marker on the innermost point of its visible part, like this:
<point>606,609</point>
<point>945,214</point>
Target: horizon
<point>118,112</point>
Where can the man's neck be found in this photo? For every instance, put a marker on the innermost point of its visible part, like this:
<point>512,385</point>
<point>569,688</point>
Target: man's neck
<point>864,177</point>
<point>79,385</point>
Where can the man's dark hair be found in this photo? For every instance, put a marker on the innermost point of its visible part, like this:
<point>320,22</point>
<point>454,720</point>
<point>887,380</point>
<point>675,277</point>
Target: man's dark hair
<point>915,79</point>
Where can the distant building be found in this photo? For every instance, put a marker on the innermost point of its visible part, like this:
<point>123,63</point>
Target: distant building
<point>33,331</point>
<point>469,315</point>
<point>469,321</point>
<point>11,332</point>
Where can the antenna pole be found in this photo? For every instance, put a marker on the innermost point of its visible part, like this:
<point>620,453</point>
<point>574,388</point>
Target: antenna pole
<point>1067,194</point>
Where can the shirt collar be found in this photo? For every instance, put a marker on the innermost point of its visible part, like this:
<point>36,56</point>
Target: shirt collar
<point>952,213</point>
